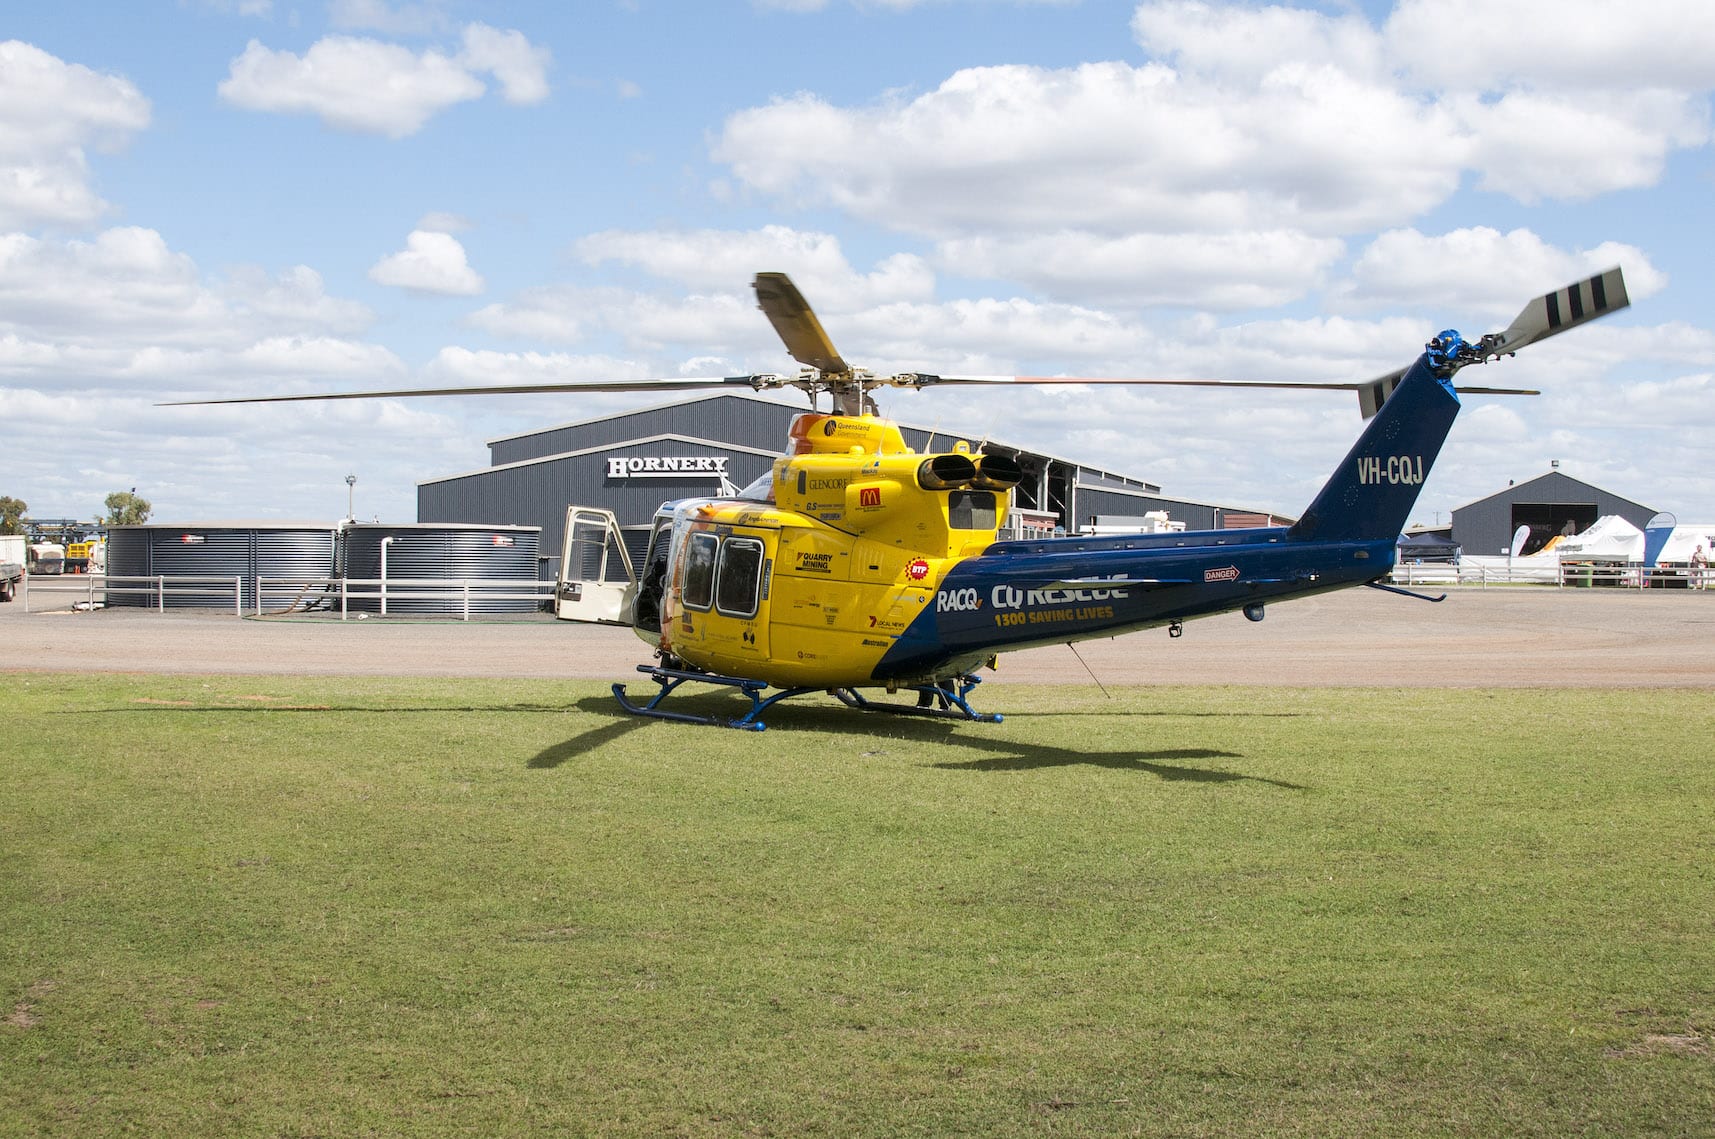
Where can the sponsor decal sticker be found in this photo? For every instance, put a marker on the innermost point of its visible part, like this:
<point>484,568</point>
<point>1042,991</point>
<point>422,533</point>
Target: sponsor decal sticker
<point>815,563</point>
<point>1395,470</point>
<point>917,570</point>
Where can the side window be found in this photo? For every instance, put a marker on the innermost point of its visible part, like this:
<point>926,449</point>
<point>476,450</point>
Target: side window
<point>971,510</point>
<point>739,578</point>
<point>700,571</point>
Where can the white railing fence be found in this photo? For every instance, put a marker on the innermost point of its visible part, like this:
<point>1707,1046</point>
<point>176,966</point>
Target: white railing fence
<point>1487,572</point>
<point>279,596</point>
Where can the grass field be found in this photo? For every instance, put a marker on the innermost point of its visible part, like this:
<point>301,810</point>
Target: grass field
<point>311,906</point>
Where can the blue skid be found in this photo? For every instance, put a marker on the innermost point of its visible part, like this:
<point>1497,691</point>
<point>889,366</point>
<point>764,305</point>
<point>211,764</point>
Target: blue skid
<point>948,700</point>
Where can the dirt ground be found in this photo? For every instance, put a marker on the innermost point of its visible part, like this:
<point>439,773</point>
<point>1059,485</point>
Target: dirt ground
<point>1502,637</point>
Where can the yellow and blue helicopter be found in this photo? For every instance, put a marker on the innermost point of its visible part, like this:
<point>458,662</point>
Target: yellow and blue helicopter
<point>856,563</point>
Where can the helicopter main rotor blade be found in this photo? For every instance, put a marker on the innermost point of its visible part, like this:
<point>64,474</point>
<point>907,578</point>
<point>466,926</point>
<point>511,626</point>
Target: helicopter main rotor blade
<point>922,379</point>
<point>755,383</point>
<point>1547,315</point>
<point>795,322</point>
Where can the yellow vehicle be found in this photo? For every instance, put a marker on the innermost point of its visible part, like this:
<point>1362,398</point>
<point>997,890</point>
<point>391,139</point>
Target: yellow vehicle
<point>85,557</point>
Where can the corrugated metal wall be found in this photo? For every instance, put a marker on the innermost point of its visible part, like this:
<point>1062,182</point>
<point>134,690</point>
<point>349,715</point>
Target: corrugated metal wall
<point>224,551</point>
<point>443,555</point>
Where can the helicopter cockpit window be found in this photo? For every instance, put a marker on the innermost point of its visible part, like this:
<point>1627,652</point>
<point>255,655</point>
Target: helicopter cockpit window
<point>699,587</point>
<point>740,577</point>
<point>971,510</point>
<point>646,611</point>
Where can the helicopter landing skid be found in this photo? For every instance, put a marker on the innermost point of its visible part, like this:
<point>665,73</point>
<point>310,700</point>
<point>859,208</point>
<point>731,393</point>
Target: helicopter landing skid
<point>933,700</point>
<point>671,678</point>
<point>945,701</point>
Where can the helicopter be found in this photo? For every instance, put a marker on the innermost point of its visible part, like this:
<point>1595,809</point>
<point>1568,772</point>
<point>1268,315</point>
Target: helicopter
<point>858,564</point>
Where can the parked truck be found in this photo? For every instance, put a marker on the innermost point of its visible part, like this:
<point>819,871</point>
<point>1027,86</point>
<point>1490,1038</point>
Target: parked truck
<point>88,556</point>
<point>46,558</point>
<point>11,565</point>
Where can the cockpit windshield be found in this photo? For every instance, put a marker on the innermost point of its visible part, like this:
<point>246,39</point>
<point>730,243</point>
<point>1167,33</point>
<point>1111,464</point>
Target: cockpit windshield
<point>762,490</point>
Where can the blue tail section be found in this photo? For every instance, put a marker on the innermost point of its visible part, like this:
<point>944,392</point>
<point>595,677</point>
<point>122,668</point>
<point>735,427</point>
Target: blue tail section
<point>1373,490</point>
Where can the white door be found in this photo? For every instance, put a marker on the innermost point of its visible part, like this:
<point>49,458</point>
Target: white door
<point>596,580</point>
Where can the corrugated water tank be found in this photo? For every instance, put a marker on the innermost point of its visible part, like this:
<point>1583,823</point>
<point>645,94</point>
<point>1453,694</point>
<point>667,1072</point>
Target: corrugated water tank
<point>427,562</point>
<point>224,553</point>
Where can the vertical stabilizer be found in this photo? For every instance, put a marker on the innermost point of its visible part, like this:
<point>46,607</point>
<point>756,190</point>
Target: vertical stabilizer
<point>1374,489</point>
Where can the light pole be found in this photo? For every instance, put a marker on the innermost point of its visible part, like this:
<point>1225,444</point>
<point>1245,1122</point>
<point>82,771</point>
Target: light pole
<point>350,491</point>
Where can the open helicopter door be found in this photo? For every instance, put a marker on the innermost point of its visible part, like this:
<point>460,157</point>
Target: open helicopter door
<point>596,579</point>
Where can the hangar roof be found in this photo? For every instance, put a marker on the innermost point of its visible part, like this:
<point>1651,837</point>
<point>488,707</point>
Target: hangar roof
<point>1120,481</point>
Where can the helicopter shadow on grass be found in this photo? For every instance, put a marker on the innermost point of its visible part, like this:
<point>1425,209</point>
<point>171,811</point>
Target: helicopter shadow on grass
<point>619,725</point>
<point>1016,755</point>
<point>1000,754</point>
<point>261,708</point>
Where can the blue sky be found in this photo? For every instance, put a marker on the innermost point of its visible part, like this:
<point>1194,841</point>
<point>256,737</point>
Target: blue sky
<point>215,198</point>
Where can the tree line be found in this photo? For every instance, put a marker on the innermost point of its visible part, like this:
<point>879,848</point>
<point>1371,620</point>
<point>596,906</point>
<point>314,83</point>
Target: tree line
<point>124,508</point>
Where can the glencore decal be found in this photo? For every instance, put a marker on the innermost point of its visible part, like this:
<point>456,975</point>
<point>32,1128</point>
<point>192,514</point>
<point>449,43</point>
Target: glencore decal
<point>666,466</point>
<point>1225,573</point>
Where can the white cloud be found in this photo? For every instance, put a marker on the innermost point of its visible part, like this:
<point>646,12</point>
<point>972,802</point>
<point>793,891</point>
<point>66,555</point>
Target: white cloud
<point>371,87</point>
<point>520,67</point>
<point>1480,268</point>
<point>431,262</point>
<point>1532,146</point>
<point>728,259</point>
<point>1219,271</point>
<point>393,19</point>
<point>127,288</point>
<point>1247,43</point>
<point>1584,46</point>
<point>1123,149</point>
<point>547,313</point>
<point>1246,120</point>
<point>50,112</point>
<point>440,222</point>
<point>352,84</point>
<point>463,367</point>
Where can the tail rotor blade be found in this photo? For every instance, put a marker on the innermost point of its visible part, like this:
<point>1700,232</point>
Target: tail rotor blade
<point>1553,313</point>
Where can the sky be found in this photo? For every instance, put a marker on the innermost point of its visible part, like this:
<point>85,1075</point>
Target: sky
<point>207,199</point>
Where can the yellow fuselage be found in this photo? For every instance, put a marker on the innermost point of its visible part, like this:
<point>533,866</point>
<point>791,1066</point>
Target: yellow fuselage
<point>811,586</point>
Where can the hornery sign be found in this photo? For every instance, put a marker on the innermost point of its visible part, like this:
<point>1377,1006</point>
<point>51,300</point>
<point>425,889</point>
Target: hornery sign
<point>666,466</point>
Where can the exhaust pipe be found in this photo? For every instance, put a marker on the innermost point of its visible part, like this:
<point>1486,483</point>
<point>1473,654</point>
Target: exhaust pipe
<point>946,472</point>
<point>997,472</point>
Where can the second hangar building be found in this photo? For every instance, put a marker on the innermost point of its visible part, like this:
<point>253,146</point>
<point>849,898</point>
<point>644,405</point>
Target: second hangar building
<point>631,462</point>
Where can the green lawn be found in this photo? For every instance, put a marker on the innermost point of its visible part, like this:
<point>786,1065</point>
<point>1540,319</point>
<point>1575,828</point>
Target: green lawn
<point>312,906</point>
